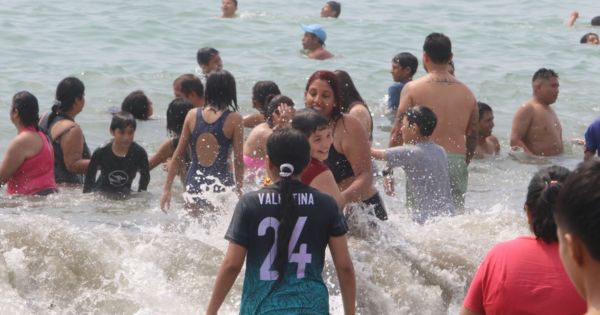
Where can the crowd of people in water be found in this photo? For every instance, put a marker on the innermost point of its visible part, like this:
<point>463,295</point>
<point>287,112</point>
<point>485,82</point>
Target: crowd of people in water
<point>314,162</point>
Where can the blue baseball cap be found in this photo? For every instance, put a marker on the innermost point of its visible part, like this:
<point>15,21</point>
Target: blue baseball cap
<point>315,29</point>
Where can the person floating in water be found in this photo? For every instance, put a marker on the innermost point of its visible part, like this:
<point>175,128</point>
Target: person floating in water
<point>229,8</point>
<point>536,128</point>
<point>118,161</point>
<point>487,144</point>
<point>331,9</point>
<point>313,42</point>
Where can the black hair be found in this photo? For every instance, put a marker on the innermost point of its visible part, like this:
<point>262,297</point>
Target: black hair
<point>578,207</point>
<point>483,108</point>
<point>584,39</point>
<point>438,47</point>
<point>191,84</point>
<point>261,91</point>
<point>26,105</point>
<point>68,91</point>
<point>220,90</point>
<point>423,117</point>
<point>204,54</point>
<point>595,21</point>
<point>349,92</point>
<point>542,192</point>
<point>335,6</point>
<point>287,146</point>
<point>274,102</point>
<point>136,103</point>
<point>308,121</point>
<point>176,112</point>
<point>406,59</point>
<point>122,120</point>
<point>545,74</point>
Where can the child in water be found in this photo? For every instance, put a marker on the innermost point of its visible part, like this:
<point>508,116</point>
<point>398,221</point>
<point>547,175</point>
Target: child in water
<point>118,161</point>
<point>425,163</point>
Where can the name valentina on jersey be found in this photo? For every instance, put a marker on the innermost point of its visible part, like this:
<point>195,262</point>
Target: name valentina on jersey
<point>275,198</point>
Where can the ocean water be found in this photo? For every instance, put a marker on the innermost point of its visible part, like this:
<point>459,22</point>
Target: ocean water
<point>73,253</point>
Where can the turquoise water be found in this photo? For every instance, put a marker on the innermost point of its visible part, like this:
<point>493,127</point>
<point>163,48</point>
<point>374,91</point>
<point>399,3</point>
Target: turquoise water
<point>80,254</point>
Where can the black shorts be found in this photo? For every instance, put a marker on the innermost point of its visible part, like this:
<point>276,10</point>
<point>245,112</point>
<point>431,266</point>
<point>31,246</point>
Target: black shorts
<point>378,206</point>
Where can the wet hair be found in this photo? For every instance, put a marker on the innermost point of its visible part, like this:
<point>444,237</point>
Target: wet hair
<point>578,207</point>
<point>68,91</point>
<point>204,54</point>
<point>584,39</point>
<point>423,117</point>
<point>336,7</point>
<point>542,193</point>
<point>220,90</point>
<point>545,74</point>
<point>287,146</point>
<point>26,105</point>
<point>438,47</point>
<point>332,81</point>
<point>274,102</point>
<point>136,103</point>
<point>176,112</point>
<point>595,21</point>
<point>349,92</point>
<point>308,121</point>
<point>191,84</point>
<point>261,91</point>
<point>483,108</point>
<point>122,120</point>
<point>406,59</point>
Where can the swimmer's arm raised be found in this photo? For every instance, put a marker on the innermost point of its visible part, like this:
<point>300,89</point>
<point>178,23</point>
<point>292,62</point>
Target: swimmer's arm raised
<point>405,103</point>
<point>229,271</point>
<point>521,123</point>
<point>472,133</point>
<point>572,18</point>
<point>338,246</point>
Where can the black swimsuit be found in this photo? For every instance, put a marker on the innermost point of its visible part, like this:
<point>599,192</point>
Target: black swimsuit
<point>61,174</point>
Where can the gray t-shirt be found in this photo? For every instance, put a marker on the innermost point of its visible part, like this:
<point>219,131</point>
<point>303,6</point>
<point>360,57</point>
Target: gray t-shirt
<point>427,183</point>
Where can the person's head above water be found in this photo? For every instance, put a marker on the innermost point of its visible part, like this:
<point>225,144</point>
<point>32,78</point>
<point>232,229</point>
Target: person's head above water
<point>314,36</point>
<point>25,106</point>
<point>418,124</point>
<point>404,66</point>
<point>437,49</point>
<point>323,94</point>
<point>261,91</point>
<point>486,119</point>
<point>331,9</point>
<point>540,203</point>
<point>590,38</point>
<point>176,112</point>
<point>138,104</point>
<point>228,8</point>
<point>545,86</point>
<point>209,60</point>
<point>220,92</point>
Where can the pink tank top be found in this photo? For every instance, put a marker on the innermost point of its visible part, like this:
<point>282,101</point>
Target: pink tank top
<point>36,173</point>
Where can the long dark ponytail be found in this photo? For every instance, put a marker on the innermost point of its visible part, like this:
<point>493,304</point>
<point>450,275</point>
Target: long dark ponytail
<point>289,150</point>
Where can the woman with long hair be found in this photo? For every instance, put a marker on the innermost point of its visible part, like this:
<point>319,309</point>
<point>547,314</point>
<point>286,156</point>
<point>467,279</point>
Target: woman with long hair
<point>283,230</point>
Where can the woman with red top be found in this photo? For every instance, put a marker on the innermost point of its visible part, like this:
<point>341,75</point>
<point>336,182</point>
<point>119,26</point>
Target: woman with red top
<point>28,165</point>
<point>317,175</point>
<point>525,275</point>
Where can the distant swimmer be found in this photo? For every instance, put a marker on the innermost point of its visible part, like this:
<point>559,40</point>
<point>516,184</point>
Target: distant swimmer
<point>487,144</point>
<point>208,60</point>
<point>536,128</point>
<point>228,8</point>
<point>331,9</point>
<point>138,104</point>
<point>590,38</point>
<point>575,15</point>
<point>454,105</point>
<point>313,42</point>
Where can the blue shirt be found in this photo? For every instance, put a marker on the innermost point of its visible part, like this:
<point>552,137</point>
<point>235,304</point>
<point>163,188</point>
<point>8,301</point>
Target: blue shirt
<point>592,137</point>
<point>394,95</point>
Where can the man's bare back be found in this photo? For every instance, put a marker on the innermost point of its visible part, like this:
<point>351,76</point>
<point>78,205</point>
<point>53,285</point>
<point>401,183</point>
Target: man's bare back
<point>537,130</point>
<point>320,54</point>
<point>451,101</point>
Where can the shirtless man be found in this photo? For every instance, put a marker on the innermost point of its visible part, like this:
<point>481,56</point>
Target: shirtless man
<point>454,105</point>
<point>487,144</point>
<point>536,128</point>
<point>313,42</point>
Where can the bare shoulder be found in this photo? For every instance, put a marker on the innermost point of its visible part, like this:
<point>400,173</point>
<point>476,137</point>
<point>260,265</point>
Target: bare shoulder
<point>360,109</point>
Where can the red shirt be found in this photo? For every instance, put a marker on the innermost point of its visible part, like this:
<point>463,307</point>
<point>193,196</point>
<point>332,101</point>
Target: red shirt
<point>523,276</point>
<point>314,168</point>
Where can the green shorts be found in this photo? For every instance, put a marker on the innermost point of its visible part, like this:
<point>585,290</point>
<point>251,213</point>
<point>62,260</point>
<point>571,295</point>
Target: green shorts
<point>459,178</point>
